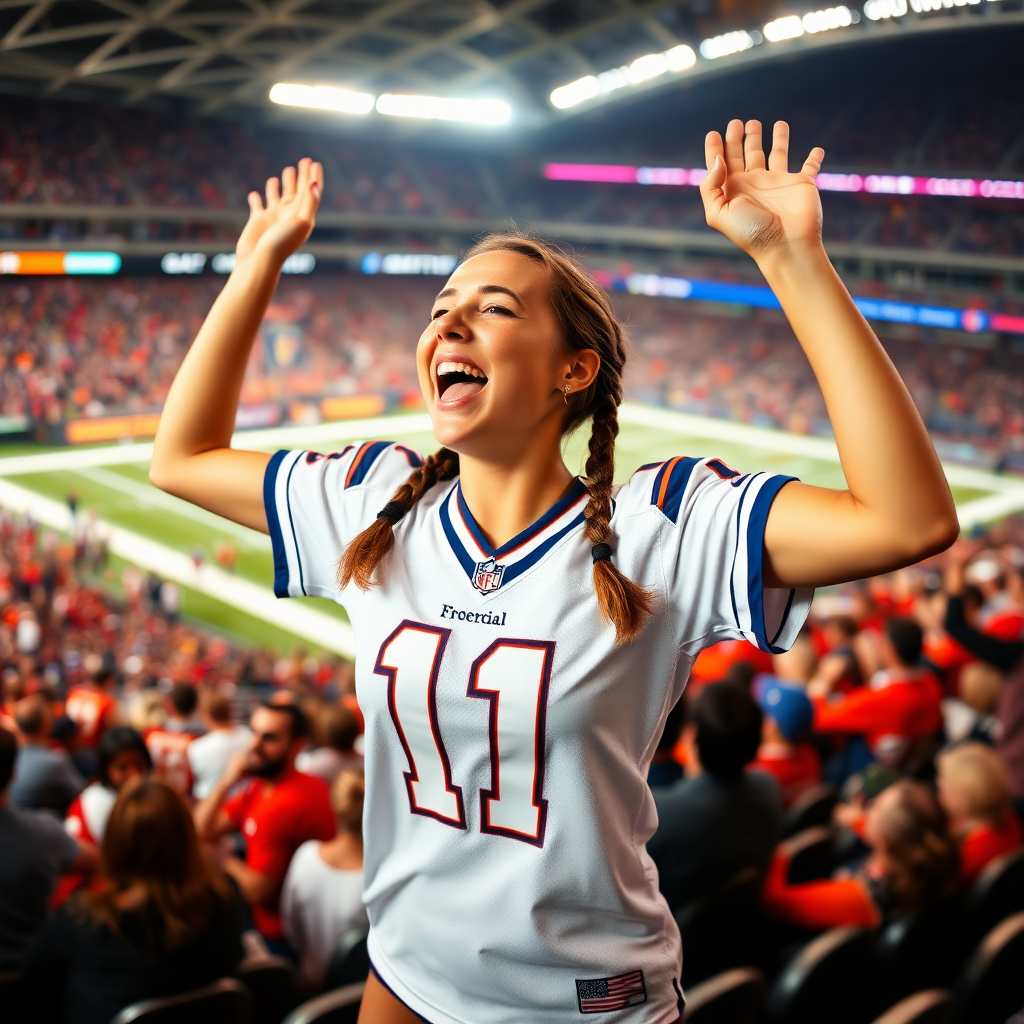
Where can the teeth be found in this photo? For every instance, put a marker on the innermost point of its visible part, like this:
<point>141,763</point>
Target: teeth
<point>469,371</point>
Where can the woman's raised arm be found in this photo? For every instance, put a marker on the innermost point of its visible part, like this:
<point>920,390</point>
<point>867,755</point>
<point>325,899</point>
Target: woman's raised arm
<point>192,455</point>
<point>897,508</point>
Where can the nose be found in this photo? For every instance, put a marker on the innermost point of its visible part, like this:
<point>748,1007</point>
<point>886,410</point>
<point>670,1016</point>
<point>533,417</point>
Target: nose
<point>451,327</point>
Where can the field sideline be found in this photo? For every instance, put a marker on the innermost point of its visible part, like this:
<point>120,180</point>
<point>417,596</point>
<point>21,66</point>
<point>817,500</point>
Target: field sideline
<point>161,533</point>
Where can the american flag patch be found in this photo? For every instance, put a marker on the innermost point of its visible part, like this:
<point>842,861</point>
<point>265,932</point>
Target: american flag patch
<point>600,995</point>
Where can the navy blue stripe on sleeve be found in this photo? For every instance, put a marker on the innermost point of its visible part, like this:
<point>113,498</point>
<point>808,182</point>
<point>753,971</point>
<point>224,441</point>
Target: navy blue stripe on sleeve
<point>755,569</point>
<point>274,523</point>
<point>670,486</point>
<point>364,460</point>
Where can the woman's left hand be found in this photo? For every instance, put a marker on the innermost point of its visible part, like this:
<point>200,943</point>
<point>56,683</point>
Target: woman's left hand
<point>760,206</point>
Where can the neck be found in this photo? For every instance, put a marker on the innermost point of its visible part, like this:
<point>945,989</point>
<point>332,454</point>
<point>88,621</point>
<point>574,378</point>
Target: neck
<point>509,491</point>
<point>344,852</point>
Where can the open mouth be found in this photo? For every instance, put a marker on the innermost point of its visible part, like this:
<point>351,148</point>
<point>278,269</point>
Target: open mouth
<point>458,380</point>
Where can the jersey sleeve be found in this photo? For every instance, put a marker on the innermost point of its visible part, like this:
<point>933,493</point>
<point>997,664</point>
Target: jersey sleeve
<point>316,504</point>
<point>711,521</point>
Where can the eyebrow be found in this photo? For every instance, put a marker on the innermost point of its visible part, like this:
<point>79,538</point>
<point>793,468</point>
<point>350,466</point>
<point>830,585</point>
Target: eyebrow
<point>486,289</point>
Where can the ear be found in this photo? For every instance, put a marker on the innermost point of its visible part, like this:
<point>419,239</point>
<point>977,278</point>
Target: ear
<point>580,370</point>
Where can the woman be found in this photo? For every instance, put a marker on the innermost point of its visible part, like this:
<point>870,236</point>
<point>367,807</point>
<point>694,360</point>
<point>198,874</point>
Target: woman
<point>163,921</point>
<point>322,898</point>
<point>913,861</point>
<point>974,791</point>
<point>522,638</point>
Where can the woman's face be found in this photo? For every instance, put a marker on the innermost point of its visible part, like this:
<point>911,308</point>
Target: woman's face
<point>492,365</point>
<point>128,765</point>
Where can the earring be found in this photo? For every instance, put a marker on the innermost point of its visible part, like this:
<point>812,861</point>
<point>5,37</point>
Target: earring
<point>568,390</point>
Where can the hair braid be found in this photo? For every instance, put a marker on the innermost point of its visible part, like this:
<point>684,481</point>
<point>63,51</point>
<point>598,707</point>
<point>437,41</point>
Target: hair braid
<point>367,550</point>
<point>624,603</point>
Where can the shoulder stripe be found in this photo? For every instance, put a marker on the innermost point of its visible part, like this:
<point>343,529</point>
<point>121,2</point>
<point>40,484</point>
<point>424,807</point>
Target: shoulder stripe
<point>413,458</point>
<point>670,485</point>
<point>650,465</point>
<point>274,523</point>
<point>363,462</point>
<point>718,467</point>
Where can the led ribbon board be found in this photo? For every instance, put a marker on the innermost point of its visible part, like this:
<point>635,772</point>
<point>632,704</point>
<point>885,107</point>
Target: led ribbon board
<point>59,263</point>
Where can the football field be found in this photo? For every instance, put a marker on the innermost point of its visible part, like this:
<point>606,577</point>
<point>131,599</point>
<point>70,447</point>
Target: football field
<point>165,535</point>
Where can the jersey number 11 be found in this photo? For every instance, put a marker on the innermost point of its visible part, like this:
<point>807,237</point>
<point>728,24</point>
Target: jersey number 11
<point>513,675</point>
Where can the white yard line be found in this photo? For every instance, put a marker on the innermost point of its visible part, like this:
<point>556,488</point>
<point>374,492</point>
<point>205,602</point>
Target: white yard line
<point>146,494</point>
<point>312,625</point>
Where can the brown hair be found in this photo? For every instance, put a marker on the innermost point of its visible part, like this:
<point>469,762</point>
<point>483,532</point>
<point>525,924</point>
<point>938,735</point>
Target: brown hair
<point>587,320</point>
<point>922,856</point>
<point>151,841</point>
<point>347,794</point>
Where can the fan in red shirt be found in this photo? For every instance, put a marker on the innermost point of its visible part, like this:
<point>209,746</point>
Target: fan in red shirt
<point>788,714</point>
<point>277,809</point>
<point>168,744</point>
<point>91,706</point>
<point>899,712</point>
<point>974,790</point>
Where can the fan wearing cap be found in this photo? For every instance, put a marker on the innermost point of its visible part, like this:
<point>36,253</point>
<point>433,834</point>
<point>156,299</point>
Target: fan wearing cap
<point>784,752</point>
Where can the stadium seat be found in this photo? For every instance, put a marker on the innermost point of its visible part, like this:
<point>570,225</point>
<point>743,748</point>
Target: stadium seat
<point>338,1007</point>
<point>720,930</point>
<point>922,949</point>
<point>350,963</point>
<point>999,891</point>
<point>734,997</point>
<point>811,855</point>
<point>226,1001</point>
<point>932,1006</point>
<point>812,808</point>
<point>991,987</point>
<point>824,981</point>
<point>273,984</point>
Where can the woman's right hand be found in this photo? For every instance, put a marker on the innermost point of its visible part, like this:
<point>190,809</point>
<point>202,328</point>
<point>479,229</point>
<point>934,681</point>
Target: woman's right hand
<point>281,226</point>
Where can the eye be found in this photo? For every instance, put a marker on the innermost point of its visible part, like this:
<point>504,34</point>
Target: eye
<point>437,313</point>
<point>499,309</point>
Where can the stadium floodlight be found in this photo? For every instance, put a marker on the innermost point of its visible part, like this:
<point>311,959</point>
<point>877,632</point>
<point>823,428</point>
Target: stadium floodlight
<point>575,92</point>
<point>829,19</point>
<point>790,27</point>
<point>876,10</point>
<point>729,43</point>
<point>322,97</point>
<point>440,108</point>
<point>643,69</point>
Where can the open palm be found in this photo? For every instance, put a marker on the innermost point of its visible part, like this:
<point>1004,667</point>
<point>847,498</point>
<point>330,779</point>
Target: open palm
<point>285,222</point>
<point>759,205</point>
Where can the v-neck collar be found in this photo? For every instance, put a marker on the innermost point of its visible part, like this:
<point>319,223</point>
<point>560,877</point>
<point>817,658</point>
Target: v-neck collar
<point>489,568</point>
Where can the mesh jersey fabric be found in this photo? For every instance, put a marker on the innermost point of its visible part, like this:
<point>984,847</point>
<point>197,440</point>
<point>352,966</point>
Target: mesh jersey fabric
<point>508,738</point>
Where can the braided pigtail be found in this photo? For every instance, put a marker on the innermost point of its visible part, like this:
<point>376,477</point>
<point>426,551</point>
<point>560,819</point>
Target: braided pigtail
<point>367,550</point>
<point>624,603</point>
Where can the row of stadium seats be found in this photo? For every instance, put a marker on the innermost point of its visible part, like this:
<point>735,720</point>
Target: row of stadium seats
<point>73,348</point>
<point>54,153</point>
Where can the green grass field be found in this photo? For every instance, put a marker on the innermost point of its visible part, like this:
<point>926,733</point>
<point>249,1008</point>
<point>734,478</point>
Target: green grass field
<point>121,494</point>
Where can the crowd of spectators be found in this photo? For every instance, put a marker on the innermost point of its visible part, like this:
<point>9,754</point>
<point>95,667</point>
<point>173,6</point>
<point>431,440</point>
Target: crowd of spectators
<point>62,154</point>
<point>211,816</point>
<point>71,348</point>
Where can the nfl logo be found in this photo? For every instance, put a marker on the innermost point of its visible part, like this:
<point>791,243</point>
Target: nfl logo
<point>487,576</point>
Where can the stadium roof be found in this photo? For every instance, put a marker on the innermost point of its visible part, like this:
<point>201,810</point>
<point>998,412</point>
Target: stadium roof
<point>223,55</point>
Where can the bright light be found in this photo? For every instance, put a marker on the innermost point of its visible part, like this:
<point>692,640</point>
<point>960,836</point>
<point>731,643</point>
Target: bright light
<point>680,58</point>
<point>440,108</point>
<point>182,262</point>
<point>924,6</point>
<point>299,263</point>
<point>783,28</point>
<point>832,17</point>
<point>649,66</point>
<point>876,10</point>
<point>731,42</point>
<point>575,92</point>
<point>322,97</point>
<point>439,264</point>
<point>643,69</point>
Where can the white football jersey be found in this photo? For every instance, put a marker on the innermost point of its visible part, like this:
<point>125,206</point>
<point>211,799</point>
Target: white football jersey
<point>507,736</point>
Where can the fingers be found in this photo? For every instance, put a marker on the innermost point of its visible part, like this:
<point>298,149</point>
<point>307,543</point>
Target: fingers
<point>255,203</point>
<point>753,153</point>
<point>302,180</point>
<point>288,183</point>
<point>712,188</point>
<point>813,162</point>
<point>273,192</point>
<point>734,146</point>
<point>713,148</point>
<point>779,158</point>
<point>309,197</point>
